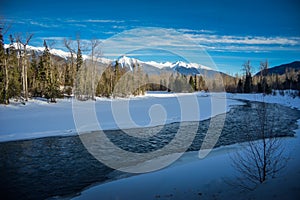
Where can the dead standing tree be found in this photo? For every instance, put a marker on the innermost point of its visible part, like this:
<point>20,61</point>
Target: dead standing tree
<point>87,72</point>
<point>94,54</point>
<point>22,46</point>
<point>260,159</point>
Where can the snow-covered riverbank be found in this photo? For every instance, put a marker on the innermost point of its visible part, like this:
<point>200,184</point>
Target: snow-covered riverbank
<point>40,119</point>
<point>193,178</point>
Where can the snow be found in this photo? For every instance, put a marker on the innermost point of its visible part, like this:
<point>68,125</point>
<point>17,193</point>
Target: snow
<point>193,178</point>
<point>36,119</point>
<point>41,119</point>
<point>286,186</point>
<point>177,64</point>
<point>189,65</point>
<point>199,66</point>
<point>286,100</point>
<point>56,52</point>
<point>159,64</point>
<point>125,61</point>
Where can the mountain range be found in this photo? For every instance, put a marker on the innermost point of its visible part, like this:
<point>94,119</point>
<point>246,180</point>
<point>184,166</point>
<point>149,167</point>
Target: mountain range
<point>152,67</point>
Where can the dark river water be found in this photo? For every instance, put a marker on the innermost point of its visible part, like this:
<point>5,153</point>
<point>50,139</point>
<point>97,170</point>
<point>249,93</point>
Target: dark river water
<point>61,166</point>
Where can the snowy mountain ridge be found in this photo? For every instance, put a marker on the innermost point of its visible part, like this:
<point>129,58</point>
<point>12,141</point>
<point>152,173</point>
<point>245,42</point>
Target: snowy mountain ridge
<point>55,52</point>
<point>124,61</point>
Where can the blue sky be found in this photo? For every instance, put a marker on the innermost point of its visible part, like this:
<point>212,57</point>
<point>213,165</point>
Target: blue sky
<point>230,31</point>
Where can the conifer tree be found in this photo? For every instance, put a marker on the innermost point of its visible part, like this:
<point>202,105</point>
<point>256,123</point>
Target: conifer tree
<point>201,83</point>
<point>239,88</point>
<point>171,83</point>
<point>3,69</point>
<point>195,83</point>
<point>248,77</point>
<point>192,83</point>
<point>33,74</point>
<point>44,68</point>
<point>80,74</point>
<point>79,60</point>
<point>52,86</point>
<point>14,86</point>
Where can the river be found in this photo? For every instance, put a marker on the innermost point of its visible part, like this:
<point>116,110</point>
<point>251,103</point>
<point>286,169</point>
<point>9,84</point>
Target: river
<point>61,166</point>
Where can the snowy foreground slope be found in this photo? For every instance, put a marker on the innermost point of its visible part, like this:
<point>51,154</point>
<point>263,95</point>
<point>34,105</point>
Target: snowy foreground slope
<point>191,178</point>
<point>194,178</point>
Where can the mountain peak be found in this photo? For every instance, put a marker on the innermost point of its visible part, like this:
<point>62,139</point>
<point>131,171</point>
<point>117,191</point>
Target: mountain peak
<point>125,61</point>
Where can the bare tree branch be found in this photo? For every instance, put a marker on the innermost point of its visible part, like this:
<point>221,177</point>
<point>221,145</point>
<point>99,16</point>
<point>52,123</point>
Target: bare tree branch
<point>260,159</point>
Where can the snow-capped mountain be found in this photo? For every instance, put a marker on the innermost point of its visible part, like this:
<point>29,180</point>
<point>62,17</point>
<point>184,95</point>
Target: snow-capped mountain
<point>179,66</point>
<point>56,52</point>
<point>150,67</point>
<point>39,50</point>
<point>127,62</point>
<point>188,68</point>
<point>159,65</point>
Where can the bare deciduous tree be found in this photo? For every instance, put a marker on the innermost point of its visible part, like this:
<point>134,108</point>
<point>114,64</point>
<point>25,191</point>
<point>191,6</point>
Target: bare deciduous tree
<point>260,159</point>
<point>94,54</point>
<point>71,70</point>
<point>24,62</point>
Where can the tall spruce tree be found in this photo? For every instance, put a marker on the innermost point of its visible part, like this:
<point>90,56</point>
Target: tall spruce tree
<point>33,74</point>
<point>79,60</point>
<point>239,88</point>
<point>51,84</point>
<point>201,83</point>
<point>3,68</point>
<point>195,83</point>
<point>14,86</point>
<point>248,77</point>
<point>192,83</point>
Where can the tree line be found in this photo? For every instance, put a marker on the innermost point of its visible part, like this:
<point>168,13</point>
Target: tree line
<point>25,74</point>
<point>265,82</point>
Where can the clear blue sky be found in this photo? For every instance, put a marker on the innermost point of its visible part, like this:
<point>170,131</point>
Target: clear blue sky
<point>230,31</point>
